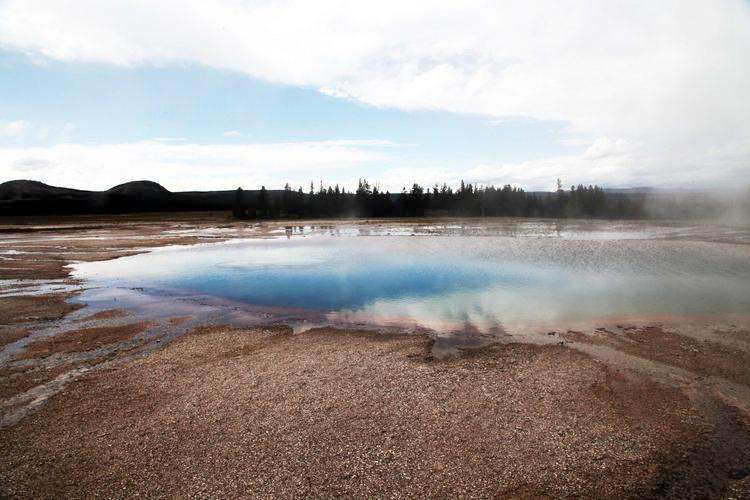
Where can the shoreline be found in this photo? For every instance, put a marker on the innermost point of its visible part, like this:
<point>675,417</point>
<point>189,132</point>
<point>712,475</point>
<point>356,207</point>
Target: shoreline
<point>655,406</point>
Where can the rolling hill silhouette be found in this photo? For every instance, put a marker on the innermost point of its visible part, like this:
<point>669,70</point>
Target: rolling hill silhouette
<point>25,197</point>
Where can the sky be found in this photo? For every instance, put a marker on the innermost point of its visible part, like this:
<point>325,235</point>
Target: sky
<point>201,95</point>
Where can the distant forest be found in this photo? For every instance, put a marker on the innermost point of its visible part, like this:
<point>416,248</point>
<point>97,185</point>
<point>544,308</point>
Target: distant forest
<point>466,200</point>
<point>26,197</point>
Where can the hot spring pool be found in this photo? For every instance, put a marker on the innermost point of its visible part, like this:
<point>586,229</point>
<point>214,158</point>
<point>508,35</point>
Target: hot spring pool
<point>448,276</point>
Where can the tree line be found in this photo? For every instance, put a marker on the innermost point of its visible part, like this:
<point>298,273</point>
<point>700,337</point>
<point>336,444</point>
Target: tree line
<point>467,200</point>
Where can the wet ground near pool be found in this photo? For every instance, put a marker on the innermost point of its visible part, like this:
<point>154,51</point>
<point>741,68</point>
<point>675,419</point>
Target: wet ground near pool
<point>466,284</point>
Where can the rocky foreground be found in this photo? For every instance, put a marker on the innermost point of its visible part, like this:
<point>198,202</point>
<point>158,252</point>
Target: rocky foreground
<point>112,403</point>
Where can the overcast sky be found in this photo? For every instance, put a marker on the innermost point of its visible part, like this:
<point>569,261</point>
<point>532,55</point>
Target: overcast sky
<point>222,93</point>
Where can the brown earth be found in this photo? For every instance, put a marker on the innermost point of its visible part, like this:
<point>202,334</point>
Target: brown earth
<point>82,340</point>
<point>263,412</point>
<point>701,357</point>
<point>17,381</point>
<point>106,314</point>
<point>27,308</point>
<point>8,335</point>
<point>232,413</point>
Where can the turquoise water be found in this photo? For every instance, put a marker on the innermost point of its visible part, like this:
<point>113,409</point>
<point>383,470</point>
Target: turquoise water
<point>445,277</point>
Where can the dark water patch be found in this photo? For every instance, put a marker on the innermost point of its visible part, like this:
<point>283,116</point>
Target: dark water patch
<point>467,339</point>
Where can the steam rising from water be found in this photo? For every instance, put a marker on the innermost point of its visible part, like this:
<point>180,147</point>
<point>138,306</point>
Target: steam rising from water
<point>729,207</point>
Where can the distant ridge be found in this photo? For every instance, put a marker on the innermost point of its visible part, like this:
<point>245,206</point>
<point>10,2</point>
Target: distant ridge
<point>27,188</point>
<point>27,197</point>
<point>24,188</point>
<point>139,188</point>
<point>140,196</point>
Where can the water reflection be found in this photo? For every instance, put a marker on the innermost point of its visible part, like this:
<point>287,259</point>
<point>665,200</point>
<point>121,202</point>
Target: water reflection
<point>463,279</point>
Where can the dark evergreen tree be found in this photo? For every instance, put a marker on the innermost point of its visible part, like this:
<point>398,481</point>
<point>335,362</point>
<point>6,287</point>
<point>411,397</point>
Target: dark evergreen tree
<point>263,205</point>
<point>239,210</point>
<point>469,200</point>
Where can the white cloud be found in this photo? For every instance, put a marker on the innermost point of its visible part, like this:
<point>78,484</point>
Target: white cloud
<point>30,164</point>
<point>604,147</point>
<point>232,133</point>
<point>664,80</point>
<point>184,166</point>
<point>617,164</point>
<point>15,129</point>
<point>168,139</point>
<point>607,162</point>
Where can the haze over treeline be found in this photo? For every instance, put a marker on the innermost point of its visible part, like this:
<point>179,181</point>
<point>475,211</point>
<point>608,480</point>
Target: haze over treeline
<point>24,197</point>
<point>469,200</point>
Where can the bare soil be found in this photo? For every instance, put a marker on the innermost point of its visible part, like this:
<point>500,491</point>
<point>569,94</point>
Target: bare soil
<point>656,343</point>
<point>19,380</point>
<point>82,340</point>
<point>29,308</point>
<point>8,335</point>
<point>636,411</point>
<point>106,314</point>
<point>232,413</point>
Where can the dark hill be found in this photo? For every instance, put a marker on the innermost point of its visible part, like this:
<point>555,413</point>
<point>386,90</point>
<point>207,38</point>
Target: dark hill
<point>139,196</point>
<point>21,189</point>
<point>140,188</point>
<point>25,197</point>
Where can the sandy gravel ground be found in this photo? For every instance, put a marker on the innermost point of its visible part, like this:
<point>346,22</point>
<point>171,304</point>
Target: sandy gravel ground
<point>109,405</point>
